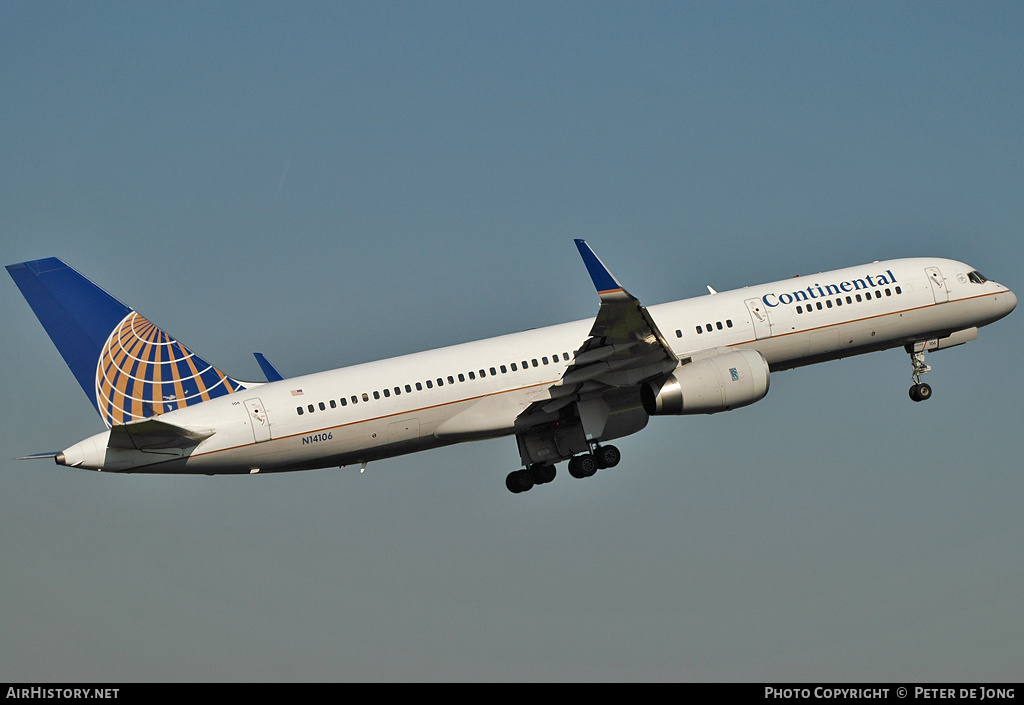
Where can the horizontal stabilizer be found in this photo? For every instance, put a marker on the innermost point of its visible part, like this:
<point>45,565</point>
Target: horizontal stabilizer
<point>269,370</point>
<point>153,434</point>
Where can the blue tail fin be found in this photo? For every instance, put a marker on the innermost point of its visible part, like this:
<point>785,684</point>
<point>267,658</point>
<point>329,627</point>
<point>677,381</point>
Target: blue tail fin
<point>129,368</point>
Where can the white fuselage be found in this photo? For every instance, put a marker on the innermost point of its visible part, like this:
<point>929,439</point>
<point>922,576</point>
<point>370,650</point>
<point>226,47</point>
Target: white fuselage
<point>477,390</point>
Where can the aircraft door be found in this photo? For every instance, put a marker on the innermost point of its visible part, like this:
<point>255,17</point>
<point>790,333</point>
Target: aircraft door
<point>759,316</point>
<point>938,282</point>
<point>258,420</point>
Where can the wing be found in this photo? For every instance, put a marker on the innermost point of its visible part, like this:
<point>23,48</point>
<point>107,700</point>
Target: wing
<point>625,346</point>
<point>624,349</point>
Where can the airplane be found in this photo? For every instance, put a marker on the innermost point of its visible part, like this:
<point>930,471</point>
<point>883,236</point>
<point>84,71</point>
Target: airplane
<point>563,391</point>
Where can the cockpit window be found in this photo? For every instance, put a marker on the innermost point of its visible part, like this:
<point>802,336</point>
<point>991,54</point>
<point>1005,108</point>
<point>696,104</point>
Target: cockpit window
<point>977,277</point>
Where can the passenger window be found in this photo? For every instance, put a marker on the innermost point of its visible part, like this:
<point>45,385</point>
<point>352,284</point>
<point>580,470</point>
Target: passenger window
<point>504,371</point>
<point>310,407</point>
<point>387,393</point>
<point>299,410</point>
<point>366,397</point>
<point>471,376</point>
<point>514,368</point>
<point>419,387</point>
<point>493,372</point>
<point>728,323</point>
<point>462,377</point>
<point>799,309</point>
<point>430,385</point>
<point>719,325</point>
<point>376,395</point>
<point>343,401</point>
<point>699,329</point>
<point>334,405</point>
<point>535,362</point>
<point>679,333</point>
<point>451,380</point>
<point>544,360</point>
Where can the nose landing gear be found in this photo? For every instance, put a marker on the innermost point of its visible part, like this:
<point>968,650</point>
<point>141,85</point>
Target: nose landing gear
<point>920,391</point>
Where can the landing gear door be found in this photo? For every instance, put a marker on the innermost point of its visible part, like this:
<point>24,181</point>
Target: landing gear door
<point>939,289</point>
<point>759,317</point>
<point>258,420</point>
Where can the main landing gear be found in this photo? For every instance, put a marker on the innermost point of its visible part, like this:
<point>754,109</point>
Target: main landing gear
<point>523,480</point>
<point>580,466</point>
<point>920,391</point>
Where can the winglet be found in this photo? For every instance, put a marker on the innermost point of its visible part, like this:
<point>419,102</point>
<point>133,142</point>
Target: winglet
<point>269,370</point>
<point>608,287</point>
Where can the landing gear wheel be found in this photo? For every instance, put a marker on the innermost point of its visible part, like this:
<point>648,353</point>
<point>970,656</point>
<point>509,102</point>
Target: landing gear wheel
<point>582,466</point>
<point>920,392</point>
<point>607,456</point>
<point>519,481</point>
<point>542,473</point>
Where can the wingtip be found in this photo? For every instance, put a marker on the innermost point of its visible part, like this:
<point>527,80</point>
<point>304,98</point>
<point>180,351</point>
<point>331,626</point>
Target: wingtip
<point>607,285</point>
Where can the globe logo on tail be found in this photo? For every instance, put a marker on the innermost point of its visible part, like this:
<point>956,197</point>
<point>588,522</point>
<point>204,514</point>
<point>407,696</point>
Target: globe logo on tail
<point>143,372</point>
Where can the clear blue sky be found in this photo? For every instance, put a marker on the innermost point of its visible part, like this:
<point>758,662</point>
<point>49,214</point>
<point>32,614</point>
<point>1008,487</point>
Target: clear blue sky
<point>331,183</point>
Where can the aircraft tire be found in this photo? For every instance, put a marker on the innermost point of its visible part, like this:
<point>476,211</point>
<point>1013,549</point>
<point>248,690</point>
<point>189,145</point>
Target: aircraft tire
<point>519,481</point>
<point>607,457</point>
<point>920,392</point>
<point>586,465</point>
<point>542,473</point>
<point>574,468</point>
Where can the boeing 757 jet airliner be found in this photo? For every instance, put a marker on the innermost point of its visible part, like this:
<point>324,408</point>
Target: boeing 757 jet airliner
<point>562,391</point>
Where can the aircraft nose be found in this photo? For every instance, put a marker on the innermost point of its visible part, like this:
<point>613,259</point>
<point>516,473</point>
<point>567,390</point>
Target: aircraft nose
<point>1011,301</point>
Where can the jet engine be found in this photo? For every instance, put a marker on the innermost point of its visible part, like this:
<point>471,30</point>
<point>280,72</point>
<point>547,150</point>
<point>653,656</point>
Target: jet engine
<point>717,383</point>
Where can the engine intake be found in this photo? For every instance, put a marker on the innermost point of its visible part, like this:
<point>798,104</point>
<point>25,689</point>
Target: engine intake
<point>718,383</point>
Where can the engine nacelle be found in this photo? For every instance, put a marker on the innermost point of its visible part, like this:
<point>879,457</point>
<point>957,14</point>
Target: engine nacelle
<point>717,383</point>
